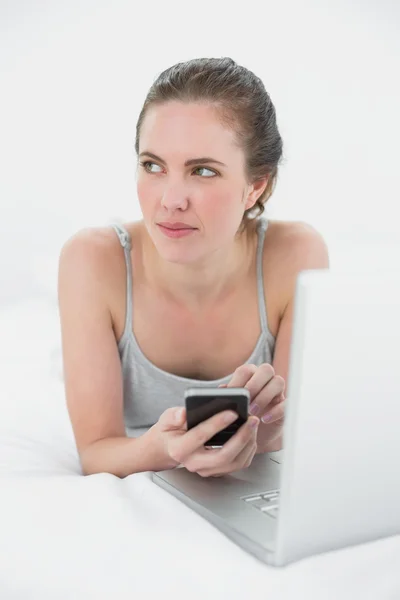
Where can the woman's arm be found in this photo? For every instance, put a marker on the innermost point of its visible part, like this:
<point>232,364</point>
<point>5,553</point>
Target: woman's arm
<point>123,456</point>
<point>92,368</point>
<point>302,248</point>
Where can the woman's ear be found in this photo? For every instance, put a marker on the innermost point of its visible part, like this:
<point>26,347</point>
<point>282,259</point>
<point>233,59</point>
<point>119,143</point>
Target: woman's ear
<point>256,190</point>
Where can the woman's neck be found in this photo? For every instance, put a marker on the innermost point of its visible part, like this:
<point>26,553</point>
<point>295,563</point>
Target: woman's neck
<point>200,285</point>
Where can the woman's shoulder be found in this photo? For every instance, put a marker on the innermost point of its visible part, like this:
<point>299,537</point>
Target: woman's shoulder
<point>93,245</point>
<point>291,247</point>
<point>293,244</point>
<point>292,234</point>
<point>99,250</point>
<point>100,242</point>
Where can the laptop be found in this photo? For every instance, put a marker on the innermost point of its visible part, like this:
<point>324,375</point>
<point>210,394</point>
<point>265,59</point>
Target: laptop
<point>336,482</point>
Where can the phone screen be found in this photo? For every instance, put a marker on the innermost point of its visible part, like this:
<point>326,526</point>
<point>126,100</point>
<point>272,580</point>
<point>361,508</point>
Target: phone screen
<point>199,408</point>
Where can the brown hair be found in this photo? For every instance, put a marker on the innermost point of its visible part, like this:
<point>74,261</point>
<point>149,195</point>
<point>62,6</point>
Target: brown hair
<point>242,103</point>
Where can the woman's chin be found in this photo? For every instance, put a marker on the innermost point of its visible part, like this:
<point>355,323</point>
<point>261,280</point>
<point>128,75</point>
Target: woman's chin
<point>179,257</point>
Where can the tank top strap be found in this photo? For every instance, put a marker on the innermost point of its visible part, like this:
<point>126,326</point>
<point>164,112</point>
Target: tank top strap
<point>125,240</point>
<point>261,229</point>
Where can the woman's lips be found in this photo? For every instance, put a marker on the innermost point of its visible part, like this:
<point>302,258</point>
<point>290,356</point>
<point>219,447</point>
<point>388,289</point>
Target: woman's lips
<point>175,233</point>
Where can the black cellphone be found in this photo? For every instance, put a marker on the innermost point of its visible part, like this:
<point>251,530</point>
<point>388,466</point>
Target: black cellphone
<point>203,403</point>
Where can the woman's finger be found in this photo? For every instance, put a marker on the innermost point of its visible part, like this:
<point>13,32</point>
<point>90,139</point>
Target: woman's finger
<point>186,446</point>
<point>229,456</point>
<point>265,398</point>
<point>242,375</point>
<point>263,376</point>
<point>235,445</point>
<point>245,456</point>
<point>275,413</point>
<point>172,418</point>
<point>219,460</point>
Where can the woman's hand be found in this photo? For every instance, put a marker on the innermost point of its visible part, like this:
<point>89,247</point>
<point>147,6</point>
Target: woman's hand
<point>267,402</point>
<point>178,446</point>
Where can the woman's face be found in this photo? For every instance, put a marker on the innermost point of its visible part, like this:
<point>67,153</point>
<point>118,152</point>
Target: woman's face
<point>209,196</point>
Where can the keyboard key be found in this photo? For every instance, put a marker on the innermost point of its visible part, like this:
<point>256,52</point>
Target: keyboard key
<point>272,511</point>
<point>270,493</point>
<point>269,497</point>
<point>259,504</point>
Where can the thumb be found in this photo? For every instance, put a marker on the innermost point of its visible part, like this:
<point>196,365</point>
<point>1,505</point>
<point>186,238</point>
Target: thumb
<point>172,418</point>
<point>179,416</point>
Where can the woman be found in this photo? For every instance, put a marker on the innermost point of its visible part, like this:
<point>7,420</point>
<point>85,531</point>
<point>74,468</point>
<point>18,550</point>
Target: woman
<point>197,293</point>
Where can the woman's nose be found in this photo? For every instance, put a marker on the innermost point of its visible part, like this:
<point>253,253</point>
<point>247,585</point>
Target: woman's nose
<point>175,197</point>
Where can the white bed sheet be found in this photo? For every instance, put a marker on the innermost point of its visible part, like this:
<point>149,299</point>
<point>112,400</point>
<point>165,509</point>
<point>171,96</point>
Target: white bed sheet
<point>64,536</point>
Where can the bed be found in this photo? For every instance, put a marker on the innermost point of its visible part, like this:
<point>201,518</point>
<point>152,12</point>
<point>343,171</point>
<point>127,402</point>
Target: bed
<point>66,536</point>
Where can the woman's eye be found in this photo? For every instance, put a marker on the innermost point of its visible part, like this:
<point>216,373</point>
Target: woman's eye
<point>205,169</point>
<point>147,163</point>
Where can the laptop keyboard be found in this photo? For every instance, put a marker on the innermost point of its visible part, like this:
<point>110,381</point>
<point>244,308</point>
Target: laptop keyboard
<point>267,502</point>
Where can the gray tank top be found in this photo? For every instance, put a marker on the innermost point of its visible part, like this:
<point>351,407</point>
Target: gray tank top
<point>148,390</point>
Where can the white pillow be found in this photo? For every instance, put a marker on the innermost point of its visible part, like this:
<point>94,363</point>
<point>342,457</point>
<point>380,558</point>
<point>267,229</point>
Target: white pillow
<point>35,432</point>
